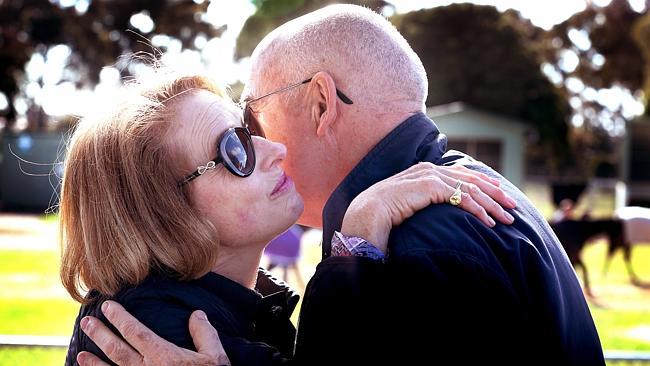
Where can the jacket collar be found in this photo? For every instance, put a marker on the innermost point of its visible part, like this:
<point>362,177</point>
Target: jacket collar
<point>246,304</point>
<point>414,140</point>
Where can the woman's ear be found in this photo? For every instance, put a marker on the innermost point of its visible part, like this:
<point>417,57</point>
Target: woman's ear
<point>323,103</point>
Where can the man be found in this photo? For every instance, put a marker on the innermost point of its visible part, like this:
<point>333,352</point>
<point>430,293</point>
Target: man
<point>342,89</point>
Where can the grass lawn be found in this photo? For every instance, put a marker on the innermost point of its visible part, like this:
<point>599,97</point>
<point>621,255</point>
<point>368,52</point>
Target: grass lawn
<point>32,356</point>
<point>622,311</point>
<point>32,301</point>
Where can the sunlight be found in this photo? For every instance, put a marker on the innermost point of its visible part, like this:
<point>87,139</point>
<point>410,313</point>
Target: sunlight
<point>142,21</point>
<point>4,103</point>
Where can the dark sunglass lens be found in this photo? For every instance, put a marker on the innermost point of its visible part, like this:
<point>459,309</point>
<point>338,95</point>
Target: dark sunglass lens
<point>237,152</point>
<point>252,123</point>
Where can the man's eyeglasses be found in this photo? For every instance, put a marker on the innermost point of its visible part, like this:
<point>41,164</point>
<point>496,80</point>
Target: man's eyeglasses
<point>254,125</point>
<point>234,150</point>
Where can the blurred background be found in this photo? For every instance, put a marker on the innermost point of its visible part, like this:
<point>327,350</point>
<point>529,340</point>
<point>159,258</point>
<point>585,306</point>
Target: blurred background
<point>553,94</point>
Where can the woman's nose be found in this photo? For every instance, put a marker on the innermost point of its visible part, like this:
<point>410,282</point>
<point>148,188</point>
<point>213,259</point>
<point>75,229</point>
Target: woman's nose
<point>269,153</point>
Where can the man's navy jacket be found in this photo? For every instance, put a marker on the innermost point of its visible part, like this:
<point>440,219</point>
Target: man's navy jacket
<point>453,291</point>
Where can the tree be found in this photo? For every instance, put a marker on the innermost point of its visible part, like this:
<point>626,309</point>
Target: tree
<point>97,32</point>
<point>272,13</point>
<point>485,58</point>
<point>597,50</point>
<point>641,35</point>
<point>608,42</point>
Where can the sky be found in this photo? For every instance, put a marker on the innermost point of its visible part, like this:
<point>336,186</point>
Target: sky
<point>216,58</point>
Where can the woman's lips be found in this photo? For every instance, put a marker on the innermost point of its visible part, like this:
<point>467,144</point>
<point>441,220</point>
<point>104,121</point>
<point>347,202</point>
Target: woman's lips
<point>283,184</point>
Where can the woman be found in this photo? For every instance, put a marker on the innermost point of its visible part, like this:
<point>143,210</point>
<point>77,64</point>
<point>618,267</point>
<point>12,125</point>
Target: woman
<point>142,225</point>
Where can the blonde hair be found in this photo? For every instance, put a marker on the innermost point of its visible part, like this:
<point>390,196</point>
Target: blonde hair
<point>122,213</point>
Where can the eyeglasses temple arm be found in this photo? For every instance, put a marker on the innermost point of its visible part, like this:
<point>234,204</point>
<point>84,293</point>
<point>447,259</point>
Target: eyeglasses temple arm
<point>344,98</point>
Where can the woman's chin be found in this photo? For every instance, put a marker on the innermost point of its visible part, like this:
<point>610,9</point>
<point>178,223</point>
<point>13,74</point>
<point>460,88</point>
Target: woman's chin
<point>295,207</point>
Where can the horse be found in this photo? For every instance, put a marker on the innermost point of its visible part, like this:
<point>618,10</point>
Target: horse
<point>574,234</point>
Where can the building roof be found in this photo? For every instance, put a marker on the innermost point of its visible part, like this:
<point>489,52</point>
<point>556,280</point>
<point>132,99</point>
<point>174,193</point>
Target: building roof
<point>459,107</point>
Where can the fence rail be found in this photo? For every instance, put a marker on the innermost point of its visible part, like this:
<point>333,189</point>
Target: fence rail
<point>627,356</point>
<point>62,342</point>
<point>10,340</point>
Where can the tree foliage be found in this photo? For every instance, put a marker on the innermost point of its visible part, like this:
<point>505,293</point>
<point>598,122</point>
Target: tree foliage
<point>482,57</point>
<point>472,53</point>
<point>610,33</point>
<point>641,35</point>
<point>609,53</point>
<point>272,13</point>
<point>97,35</point>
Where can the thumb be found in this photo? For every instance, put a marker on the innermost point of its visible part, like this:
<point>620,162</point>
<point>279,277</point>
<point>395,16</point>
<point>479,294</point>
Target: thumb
<point>206,339</point>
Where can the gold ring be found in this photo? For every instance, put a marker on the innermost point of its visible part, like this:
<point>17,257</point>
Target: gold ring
<point>457,197</point>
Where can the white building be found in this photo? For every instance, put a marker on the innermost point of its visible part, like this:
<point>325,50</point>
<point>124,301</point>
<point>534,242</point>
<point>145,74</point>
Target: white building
<point>496,140</point>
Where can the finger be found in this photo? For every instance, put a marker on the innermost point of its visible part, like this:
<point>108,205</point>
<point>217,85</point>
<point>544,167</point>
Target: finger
<point>494,191</point>
<point>469,205</point>
<point>491,206</point>
<point>114,347</point>
<point>139,336</point>
<point>88,359</point>
<point>206,339</point>
<point>482,176</point>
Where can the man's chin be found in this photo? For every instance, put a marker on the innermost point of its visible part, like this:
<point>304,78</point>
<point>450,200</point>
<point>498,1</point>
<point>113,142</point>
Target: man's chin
<point>311,220</point>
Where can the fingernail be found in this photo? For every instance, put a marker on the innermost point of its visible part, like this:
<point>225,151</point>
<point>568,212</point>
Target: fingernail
<point>491,221</point>
<point>84,322</point>
<point>81,358</point>
<point>510,217</point>
<point>200,315</point>
<point>512,202</point>
<point>105,307</point>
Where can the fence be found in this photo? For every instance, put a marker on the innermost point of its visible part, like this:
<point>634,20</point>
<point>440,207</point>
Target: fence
<point>29,349</point>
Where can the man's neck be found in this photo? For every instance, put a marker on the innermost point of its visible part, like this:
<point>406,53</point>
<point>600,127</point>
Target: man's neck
<point>364,133</point>
<point>414,139</point>
<point>358,138</point>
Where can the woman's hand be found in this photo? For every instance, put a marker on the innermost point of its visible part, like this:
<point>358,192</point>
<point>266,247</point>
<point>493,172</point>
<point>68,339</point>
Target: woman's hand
<point>386,204</point>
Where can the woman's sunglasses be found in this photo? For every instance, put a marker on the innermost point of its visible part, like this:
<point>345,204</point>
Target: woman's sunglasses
<point>234,150</point>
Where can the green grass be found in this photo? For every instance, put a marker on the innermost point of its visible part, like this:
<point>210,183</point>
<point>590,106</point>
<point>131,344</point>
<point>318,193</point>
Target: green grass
<point>50,316</point>
<point>43,263</point>
<point>31,356</point>
<point>614,324</point>
<point>621,309</point>
<point>33,302</point>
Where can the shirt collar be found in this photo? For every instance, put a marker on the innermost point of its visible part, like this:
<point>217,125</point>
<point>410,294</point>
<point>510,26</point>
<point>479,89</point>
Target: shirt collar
<point>416,139</point>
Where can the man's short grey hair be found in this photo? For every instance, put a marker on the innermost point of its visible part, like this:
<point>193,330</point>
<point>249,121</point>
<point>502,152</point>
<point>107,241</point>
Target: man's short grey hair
<point>368,58</point>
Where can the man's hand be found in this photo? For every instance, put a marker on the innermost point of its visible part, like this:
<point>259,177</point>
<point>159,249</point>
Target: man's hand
<point>144,347</point>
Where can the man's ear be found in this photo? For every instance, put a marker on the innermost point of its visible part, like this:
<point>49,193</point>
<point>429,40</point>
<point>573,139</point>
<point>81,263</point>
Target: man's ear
<point>323,103</point>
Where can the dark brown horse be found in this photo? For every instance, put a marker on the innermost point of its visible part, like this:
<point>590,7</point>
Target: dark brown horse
<point>574,234</point>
